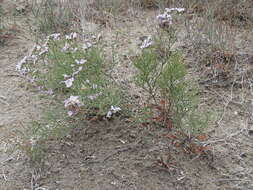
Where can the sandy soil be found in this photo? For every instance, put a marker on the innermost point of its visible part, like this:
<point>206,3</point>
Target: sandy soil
<point>18,106</point>
<point>117,154</point>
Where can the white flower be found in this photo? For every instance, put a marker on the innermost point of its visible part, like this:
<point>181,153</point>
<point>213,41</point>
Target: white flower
<point>87,45</point>
<point>69,82</point>
<point>112,111</point>
<point>71,36</point>
<point>70,113</point>
<point>66,76</point>
<point>73,49</point>
<point>34,58</point>
<point>21,63</point>
<point>95,96</point>
<point>115,109</point>
<point>38,47</point>
<point>72,104</point>
<point>50,91</point>
<point>169,10</point>
<point>43,51</point>
<point>164,18</point>
<point>147,42</point>
<point>33,141</point>
<point>94,86</point>
<point>72,100</point>
<point>109,114</point>
<point>76,72</point>
<point>80,62</point>
<point>66,47</point>
<point>55,36</point>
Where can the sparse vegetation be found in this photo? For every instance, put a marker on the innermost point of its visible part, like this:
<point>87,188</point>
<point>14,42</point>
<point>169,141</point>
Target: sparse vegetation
<point>130,86</point>
<point>162,74</point>
<point>53,16</point>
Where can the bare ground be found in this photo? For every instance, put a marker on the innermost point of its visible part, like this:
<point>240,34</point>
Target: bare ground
<point>117,154</point>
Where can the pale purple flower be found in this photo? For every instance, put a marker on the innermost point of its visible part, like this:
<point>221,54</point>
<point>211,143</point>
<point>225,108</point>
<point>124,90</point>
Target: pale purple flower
<point>95,96</point>
<point>66,47</point>
<point>112,111</point>
<point>164,18</point>
<point>50,91</point>
<point>43,51</point>
<point>46,42</point>
<point>38,47</point>
<point>21,63</point>
<point>72,100</point>
<point>179,10</point>
<point>71,36</point>
<point>79,70</point>
<point>73,49</point>
<point>87,45</point>
<point>55,36</point>
<point>80,62</point>
<point>94,86</point>
<point>34,58</point>
<point>147,42</point>
<point>109,114</point>
<point>66,76</point>
<point>115,109</point>
<point>71,113</point>
<point>72,104</point>
<point>69,82</point>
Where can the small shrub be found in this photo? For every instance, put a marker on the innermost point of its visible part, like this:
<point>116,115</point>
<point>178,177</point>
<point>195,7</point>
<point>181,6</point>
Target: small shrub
<point>75,76</point>
<point>71,70</point>
<point>162,74</point>
<point>174,97</point>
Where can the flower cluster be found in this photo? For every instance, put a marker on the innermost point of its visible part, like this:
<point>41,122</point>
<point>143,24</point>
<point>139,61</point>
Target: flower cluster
<point>147,42</point>
<point>165,19</point>
<point>71,78</point>
<point>36,52</point>
<point>112,111</point>
<point>75,63</point>
<point>71,36</point>
<point>73,104</point>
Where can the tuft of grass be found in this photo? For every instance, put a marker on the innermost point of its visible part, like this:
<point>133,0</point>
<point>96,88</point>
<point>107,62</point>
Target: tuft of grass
<point>53,126</point>
<point>1,26</point>
<point>52,16</point>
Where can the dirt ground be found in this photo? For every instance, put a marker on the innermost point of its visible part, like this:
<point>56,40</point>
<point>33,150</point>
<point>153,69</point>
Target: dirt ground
<point>118,154</point>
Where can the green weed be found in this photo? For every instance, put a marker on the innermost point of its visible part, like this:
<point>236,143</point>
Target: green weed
<point>162,74</point>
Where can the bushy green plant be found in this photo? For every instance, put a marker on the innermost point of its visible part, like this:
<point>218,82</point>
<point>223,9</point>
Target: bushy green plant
<point>75,76</point>
<point>163,77</point>
<point>69,69</point>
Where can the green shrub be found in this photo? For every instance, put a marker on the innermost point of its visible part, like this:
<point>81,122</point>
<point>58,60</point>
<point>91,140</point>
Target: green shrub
<point>72,70</point>
<point>163,76</point>
<point>75,76</point>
